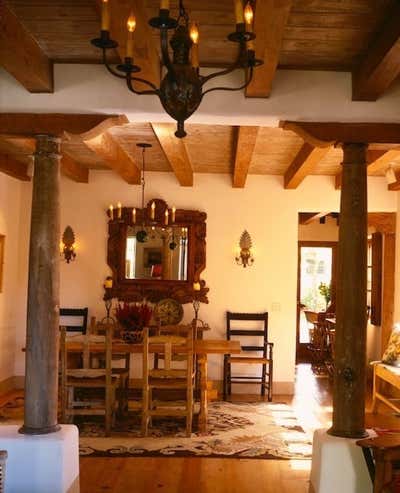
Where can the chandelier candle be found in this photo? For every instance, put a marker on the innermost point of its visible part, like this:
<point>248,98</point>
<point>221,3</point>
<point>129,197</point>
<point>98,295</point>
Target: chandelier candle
<point>173,214</point>
<point>134,215</point>
<point>239,12</point>
<point>166,217</point>
<point>111,208</point>
<point>194,53</point>
<point>153,211</point>
<point>131,25</point>
<point>105,16</point>
<point>119,210</point>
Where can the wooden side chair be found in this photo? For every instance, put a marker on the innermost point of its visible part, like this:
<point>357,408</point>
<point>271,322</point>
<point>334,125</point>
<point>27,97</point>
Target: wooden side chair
<point>88,379</point>
<point>77,319</point>
<point>169,377</point>
<point>382,455</point>
<point>3,458</point>
<point>260,353</point>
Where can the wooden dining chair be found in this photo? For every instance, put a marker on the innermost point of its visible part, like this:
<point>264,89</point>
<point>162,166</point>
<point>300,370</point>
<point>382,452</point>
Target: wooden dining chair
<point>253,353</point>
<point>87,379</point>
<point>169,377</point>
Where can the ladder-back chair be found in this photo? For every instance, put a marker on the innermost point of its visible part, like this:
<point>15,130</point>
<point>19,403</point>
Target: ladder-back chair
<point>173,376</point>
<point>253,353</point>
<point>86,379</point>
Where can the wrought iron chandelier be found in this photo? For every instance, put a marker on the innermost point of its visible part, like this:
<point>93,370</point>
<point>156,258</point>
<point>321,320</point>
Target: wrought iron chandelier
<point>182,88</point>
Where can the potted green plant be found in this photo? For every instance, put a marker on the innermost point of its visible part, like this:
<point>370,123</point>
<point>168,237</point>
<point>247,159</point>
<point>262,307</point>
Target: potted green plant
<point>133,317</point>
<point>325,291</point>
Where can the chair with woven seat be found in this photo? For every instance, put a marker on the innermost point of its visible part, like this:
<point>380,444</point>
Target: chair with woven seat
<point>172,377</point>
<point>256,350</point>
<point>99,382</point>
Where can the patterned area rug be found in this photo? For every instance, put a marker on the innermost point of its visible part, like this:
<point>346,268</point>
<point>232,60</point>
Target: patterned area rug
<point>257,430</point>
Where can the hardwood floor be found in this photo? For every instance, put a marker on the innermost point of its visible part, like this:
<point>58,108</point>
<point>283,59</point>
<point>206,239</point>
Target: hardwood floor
<point>312,403</point>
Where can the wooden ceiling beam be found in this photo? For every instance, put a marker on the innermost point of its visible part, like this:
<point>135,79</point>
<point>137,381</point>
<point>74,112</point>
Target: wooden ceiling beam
<point>14,168</point>
<point>383,160</point>
<point>145,50</point>
<point>245,143</point>
<point>269,25</point>
<point>309,217</point>
<point>380,66</point>
<point>114,156</point>
<point>21,55</point>
<point>327,133</point>
<point>175,151</point>
<point>373,155</point>
<point>303,163</point>
<point>73,170</point>
<point>31,124</point>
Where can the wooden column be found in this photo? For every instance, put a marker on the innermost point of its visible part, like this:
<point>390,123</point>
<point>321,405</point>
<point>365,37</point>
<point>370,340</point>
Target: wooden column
<point>351,298</point>
<point>42,338</point>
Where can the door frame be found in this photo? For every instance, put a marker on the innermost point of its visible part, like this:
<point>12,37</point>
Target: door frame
<point>301,348</point>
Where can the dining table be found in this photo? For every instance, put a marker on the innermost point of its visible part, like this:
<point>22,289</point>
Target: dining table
<point>202,348</point>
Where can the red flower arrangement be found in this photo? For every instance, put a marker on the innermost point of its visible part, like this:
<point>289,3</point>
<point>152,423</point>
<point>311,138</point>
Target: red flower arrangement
<point>133,316</point>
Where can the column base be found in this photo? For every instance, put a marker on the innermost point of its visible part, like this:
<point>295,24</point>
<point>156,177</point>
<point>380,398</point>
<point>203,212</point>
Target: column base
<point>41,463</point>
<point>338,465</point>
<point>27,430</point>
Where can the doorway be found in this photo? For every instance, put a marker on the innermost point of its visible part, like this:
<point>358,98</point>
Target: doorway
<point>315,288</point>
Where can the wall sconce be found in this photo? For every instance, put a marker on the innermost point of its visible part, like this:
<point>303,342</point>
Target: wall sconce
<point>244,256</point>
<point>68,245</point>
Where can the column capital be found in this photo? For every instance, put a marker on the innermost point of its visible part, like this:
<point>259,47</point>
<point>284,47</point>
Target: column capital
<point>49,145</point>
<point>354,153</point>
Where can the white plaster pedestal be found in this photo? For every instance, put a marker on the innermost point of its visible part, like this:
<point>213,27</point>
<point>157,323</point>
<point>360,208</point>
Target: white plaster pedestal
<point>338,466</point>
<point>41,463</point>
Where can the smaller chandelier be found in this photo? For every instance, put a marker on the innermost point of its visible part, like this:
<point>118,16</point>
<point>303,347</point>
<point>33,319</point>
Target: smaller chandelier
<point>182,88</point>
<point>154,219</point>
<point>245,255</point>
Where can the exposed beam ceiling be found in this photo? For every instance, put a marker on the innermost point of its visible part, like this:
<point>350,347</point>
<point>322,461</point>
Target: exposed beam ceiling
<point>303,163</point>
<point>21,56</point>
<point>246,141</point>
<point>55,123</point>
<point>115,157</point>
<point>14,168</point>
<point>383,161</point>
<point>269,25</point>
<point>73,170</point>
<point>145,50</point>
<point>175,151</point>
<point>380,65</point>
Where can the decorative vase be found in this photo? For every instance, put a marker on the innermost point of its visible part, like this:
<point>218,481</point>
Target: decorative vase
<point>132,336</point>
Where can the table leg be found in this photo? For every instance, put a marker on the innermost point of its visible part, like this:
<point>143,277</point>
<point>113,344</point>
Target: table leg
<point>202,359</point>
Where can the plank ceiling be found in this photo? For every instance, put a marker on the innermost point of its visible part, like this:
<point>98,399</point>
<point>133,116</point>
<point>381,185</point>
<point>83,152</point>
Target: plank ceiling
<point>360,36</point>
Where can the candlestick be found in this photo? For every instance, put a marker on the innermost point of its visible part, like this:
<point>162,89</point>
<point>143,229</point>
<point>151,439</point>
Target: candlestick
<point>105,16</point>
<point>119,210</point>
<point>134,215</point>
<point>239,12</point>
<point>250,45</point>
<point>166,217</point>
<point>196,286</point>
<point>111,208</point>
<point>131,25</point>
<point>173,214</point>
<point>153,210</point>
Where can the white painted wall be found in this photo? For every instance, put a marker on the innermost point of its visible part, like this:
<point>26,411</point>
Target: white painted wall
<point>296,95</point>
<point>270,214</point>
<point>9,301</point>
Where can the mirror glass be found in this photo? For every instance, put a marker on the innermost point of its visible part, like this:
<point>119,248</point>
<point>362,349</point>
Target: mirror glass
<point>163,254</point>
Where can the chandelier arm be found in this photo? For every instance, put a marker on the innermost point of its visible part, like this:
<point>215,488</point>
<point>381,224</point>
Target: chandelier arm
<point>243,86</point>
<point>226,71</point>
<point>129,81</point>
<point>109,68</point>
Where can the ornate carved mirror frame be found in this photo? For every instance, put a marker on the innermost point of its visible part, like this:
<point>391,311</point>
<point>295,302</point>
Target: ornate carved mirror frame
<point>156,289</point>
